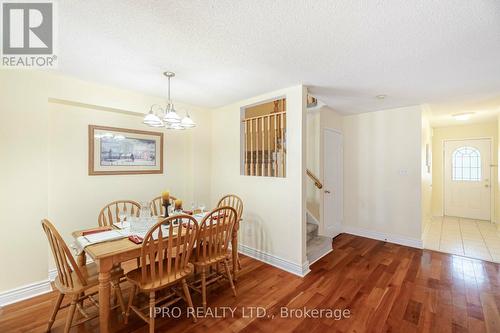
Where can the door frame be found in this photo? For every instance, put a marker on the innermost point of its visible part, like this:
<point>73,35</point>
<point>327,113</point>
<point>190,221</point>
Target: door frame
<point>492,193</point>
<point>341,191</point>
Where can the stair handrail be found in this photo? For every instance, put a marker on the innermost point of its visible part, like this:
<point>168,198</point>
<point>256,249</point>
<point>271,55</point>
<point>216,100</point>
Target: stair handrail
<point>317,182</point>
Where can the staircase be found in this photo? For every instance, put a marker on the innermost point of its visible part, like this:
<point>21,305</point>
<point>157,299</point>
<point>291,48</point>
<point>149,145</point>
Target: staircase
<point>317,246</point>
<point>312,231</point>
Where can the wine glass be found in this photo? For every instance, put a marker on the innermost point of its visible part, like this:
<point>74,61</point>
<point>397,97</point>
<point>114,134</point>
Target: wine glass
<point>202,207</point>
<point>123,215</point>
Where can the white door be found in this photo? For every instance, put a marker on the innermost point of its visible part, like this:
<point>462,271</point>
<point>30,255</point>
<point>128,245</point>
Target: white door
<point>467,185</point>
<point>333,175</point>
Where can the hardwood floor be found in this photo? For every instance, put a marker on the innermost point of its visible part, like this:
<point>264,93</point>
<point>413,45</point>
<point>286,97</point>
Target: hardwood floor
<point>386,288</point>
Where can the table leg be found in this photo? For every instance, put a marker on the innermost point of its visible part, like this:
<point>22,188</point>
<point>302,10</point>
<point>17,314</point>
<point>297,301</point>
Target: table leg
<point>81,260</point>
<point>104,293</point>
<point>234,252</point>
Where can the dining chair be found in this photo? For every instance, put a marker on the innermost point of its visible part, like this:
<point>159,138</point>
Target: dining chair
<point>75,281</point>
<point>212,249</point>
<point>234,201</point>
<point>157,208</point>
<point>110,214</point>
<point>164,260</point>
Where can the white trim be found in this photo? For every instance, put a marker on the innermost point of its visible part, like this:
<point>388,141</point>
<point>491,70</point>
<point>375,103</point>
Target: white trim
<point>300,270</point>
<point>391,238</point>
<point>24,292</point>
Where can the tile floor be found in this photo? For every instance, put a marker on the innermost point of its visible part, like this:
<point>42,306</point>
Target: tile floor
<point>470,238</point>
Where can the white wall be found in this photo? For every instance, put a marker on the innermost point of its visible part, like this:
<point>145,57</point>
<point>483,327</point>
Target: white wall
<point>23,177</point>
<point>426,171</point>
<point>274,212</point>
<point>44,162</point>
<point>382,174</point>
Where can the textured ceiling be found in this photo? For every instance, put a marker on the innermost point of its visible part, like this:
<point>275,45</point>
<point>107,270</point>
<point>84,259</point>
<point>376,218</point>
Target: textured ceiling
<point>346,51</point>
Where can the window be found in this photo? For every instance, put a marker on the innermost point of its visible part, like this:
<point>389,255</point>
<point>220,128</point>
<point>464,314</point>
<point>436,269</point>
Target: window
<point>263,139</point>
<point>466,164</point>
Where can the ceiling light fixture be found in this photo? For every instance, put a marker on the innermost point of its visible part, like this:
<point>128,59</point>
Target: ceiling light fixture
<point>462,116</point>
<point>168,118</point>
<point>381,96</point>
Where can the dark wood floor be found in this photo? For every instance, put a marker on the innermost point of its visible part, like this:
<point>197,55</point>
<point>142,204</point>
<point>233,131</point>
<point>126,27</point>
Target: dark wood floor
<point>386,287</point>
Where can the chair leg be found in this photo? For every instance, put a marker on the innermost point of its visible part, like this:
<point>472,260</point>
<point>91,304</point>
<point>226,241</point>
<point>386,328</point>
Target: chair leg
<point>230,278</point>
<point>239,263</point>
<point>71,313</point>
<point>118,293</point>
<point>188,298</point>
<point>203,289</point>
<point>152,314</point>
<point>59,300</point>
<point>129,305</point>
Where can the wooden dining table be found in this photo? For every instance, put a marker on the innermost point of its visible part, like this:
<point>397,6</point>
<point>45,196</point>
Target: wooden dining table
<point>112,253</point>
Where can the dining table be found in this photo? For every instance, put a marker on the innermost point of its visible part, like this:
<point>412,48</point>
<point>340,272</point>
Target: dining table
<point>111,253</point>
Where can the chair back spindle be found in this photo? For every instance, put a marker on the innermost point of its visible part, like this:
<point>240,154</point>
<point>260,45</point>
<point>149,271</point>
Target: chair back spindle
<point>110,214</point>
<point>65,263</point>
<point>233,201</point>
<point>167,247</point>
<point>215,233</point>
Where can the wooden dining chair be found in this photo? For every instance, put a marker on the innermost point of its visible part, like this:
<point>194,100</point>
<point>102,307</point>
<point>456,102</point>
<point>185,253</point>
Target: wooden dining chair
<point>212,249</point>
<point>111,212</point>
<point>234,201</point>
<point>75,281</point>
<point>165,254</point>
<point>157,208</point>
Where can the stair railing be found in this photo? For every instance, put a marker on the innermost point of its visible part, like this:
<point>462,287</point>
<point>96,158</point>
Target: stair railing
<point>315,179</point>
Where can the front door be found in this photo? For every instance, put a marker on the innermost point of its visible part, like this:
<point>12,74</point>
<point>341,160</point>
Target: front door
<point>467,178</point>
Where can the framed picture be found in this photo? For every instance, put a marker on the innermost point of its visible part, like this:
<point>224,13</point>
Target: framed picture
<point>120,151</point>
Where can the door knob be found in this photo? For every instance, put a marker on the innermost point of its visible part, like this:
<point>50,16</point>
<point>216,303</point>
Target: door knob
<point>486,185</point>
<point>327,192</point>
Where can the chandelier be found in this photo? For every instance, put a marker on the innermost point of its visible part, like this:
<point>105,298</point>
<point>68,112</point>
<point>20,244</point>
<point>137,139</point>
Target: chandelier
<point>167,117</point>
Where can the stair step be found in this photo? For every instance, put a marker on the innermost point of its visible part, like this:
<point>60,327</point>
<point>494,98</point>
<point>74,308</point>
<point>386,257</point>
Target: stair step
<point>312,231</point>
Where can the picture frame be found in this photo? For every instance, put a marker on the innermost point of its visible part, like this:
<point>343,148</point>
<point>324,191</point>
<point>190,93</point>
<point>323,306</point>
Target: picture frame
<point>121,151</point>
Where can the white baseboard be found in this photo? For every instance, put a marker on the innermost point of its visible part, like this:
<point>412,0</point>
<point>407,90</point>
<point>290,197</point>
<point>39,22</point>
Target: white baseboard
<point>300,270</point>
<point>25,292</point>
<point>391,238</point>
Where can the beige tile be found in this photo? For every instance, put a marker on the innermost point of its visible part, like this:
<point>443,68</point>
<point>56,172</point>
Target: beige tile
<point>472,248</point>
<point>455,234</point>
<point>431,244</point>
<point>478,255</point>
<point>495,257</point>
<point>493,247</point>
<point>451,249</point>
<point>472,237</point>
<point>451,238</point>
<point>474,243</point>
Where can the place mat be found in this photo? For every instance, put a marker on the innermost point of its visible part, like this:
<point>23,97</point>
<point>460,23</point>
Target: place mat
<point>82,242</point>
